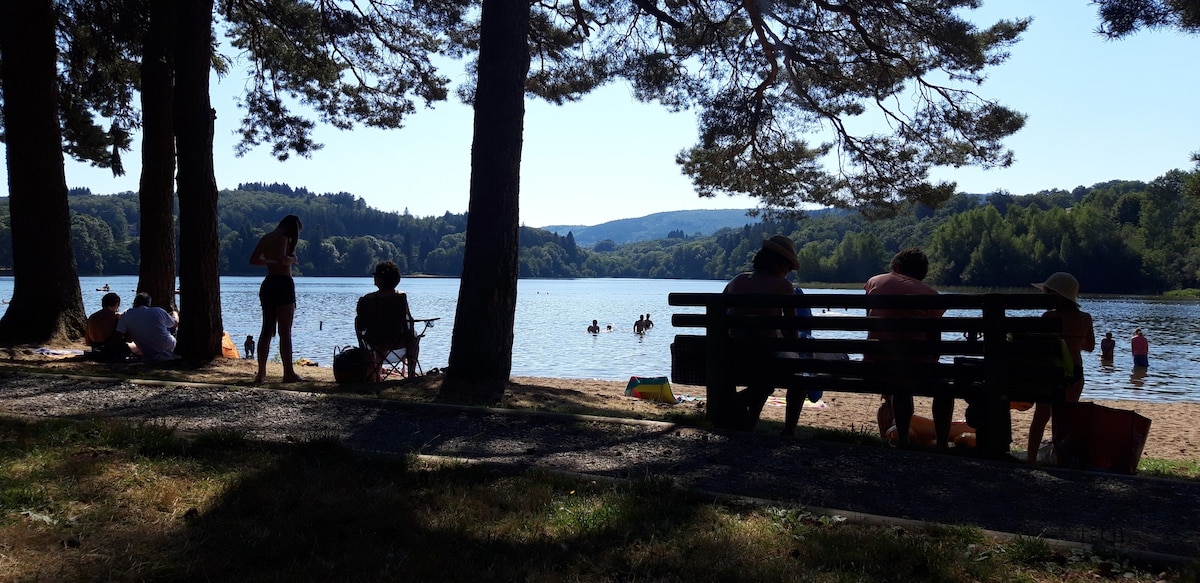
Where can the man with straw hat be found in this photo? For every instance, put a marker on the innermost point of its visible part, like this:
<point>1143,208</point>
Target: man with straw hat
<point>771,266</point>
<point>1078,334</point>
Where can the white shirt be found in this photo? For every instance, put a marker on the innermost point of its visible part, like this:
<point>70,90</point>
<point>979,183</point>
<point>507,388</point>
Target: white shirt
<point>150,328</point>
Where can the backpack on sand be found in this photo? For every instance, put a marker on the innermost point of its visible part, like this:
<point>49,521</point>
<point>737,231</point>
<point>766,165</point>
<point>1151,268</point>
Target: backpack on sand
<point>353,364</point>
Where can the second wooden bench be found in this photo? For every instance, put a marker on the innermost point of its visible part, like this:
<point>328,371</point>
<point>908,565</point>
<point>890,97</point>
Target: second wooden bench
<point>988,349</point>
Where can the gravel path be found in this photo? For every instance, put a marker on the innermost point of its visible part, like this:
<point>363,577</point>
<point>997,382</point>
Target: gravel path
<point>1127,512</point>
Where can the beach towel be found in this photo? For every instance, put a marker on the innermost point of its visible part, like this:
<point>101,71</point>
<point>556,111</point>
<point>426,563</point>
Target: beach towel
<point>651,389</point>
<point>58,352</point>
<point>808,403</point>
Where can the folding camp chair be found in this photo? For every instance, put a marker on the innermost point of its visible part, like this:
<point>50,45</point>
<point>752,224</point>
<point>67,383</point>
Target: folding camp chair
<point>392,354</point>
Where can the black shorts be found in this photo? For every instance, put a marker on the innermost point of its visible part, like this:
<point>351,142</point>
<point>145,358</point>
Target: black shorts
<point>277,290</point>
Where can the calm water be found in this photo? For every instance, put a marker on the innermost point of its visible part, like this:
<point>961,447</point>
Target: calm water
<point>552,316</point>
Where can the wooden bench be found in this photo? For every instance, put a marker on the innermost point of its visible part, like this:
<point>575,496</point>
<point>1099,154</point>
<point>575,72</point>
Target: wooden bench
<point>986,354</point>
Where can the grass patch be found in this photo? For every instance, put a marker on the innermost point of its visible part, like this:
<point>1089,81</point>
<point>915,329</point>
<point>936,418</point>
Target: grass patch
<point>103,500</point>
<point>1185,470</point>
<point>1190,293</point>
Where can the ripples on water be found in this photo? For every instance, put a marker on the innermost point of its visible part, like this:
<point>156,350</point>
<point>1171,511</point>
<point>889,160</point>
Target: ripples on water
<point>550,337</point>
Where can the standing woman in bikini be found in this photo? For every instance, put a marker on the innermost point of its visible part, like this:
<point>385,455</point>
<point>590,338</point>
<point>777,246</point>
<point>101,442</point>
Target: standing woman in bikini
<point>277,251</point>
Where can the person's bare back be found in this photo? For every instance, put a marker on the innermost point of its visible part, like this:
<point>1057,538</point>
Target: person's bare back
<point>275,252</point>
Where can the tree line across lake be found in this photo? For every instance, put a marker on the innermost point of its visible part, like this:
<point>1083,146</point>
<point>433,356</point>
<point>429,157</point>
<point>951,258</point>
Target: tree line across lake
<point>1116,237</point>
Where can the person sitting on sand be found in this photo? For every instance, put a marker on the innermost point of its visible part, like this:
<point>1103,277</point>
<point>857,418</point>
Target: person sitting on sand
<point>149,328</point>
<point>102,324</point>
<point>101,332</point>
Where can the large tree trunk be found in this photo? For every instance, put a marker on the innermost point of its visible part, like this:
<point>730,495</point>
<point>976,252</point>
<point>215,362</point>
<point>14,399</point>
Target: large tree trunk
<point>200,327</point>
<point>46,306</point>
<point>481,345</point>
<point>156,273</point>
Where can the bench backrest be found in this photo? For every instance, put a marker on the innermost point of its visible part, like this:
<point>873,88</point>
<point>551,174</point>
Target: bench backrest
<point>997,339</point>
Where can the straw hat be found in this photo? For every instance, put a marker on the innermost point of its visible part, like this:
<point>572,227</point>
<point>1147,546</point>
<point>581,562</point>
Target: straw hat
<point>1063,284</point>
<point>784,247</point>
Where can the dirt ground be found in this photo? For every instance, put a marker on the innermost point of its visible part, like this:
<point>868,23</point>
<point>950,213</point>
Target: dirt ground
<point>1174,432</point>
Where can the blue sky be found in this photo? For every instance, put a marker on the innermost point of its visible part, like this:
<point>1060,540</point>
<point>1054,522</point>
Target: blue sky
<point>1098,110</point>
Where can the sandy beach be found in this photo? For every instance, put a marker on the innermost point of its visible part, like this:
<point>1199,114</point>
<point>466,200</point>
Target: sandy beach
<point>1174,430</point>
<point>1174,427</point>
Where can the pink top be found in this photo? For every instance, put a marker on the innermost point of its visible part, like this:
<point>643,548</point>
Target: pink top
<point>900,285</point>
<point>1140,345</point>
<point>896,284</point>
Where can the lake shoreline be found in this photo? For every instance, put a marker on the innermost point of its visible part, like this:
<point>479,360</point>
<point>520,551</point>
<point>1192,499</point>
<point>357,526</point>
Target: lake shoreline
<point>550,338</point>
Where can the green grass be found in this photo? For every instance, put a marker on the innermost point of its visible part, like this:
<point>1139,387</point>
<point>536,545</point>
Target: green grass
<point>103,500</point>
<point>1185,470</point>
<point>1183,294</point>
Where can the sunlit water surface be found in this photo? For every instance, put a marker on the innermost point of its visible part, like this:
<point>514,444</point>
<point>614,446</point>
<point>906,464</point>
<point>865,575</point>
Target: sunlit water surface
<point>552,317</point>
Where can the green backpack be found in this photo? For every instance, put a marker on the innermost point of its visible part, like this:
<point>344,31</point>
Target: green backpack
<point>1031,352</point>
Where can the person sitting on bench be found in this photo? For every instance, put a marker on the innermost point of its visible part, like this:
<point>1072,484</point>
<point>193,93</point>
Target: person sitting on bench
<point>907,270</point>
<point>771,264</point>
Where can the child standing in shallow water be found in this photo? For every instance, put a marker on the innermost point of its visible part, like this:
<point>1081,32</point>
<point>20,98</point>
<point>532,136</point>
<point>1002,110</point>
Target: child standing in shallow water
<point>1141,349</point>
<point>249,346</point>
<point>1077,332</point>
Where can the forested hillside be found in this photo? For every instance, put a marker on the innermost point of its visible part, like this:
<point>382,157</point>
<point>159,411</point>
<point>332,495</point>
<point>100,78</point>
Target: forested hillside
<point>1117,237</point>
<point>656,226</point>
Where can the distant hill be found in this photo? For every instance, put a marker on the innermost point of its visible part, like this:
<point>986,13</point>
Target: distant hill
<point>656,226</point>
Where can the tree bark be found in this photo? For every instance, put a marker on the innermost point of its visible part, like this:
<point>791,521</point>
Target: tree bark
<point>156,192</point>
<point>200,327</point>
<point>481,345</point>
<point>46,306</point>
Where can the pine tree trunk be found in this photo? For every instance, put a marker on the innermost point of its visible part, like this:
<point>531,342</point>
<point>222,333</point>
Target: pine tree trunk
<point>46,305</point>
<point>156,272</point>
<point>481,345</point>
<point>200,326</point>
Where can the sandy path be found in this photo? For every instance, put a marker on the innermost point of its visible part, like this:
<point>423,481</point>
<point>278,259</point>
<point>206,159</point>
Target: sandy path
<point>1174,429</point>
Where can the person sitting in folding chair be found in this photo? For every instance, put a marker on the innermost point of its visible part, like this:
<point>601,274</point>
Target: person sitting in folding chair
<point>384,323</point>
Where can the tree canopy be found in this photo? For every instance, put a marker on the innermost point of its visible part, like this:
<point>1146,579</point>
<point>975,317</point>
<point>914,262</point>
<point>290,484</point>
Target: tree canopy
<point>1121,18</point>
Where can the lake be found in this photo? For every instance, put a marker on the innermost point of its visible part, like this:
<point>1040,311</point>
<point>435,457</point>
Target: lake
<point>550,338</point>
